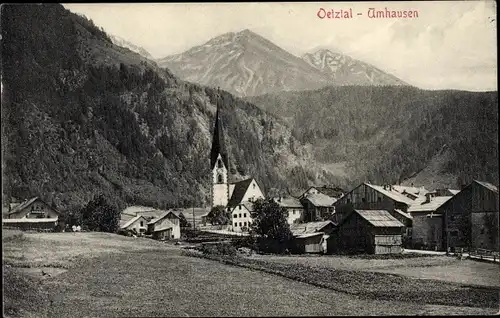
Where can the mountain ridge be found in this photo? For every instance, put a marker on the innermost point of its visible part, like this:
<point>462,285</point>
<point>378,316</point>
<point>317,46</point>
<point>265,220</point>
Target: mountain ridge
<point>247,64</point>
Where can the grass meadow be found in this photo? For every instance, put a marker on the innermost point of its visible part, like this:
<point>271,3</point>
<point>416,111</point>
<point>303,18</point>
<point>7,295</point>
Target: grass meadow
<point>106,275</point>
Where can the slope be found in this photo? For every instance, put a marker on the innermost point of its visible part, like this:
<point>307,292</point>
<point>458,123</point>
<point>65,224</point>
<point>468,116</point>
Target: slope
<point>81,116</point>
<point>387,134</point>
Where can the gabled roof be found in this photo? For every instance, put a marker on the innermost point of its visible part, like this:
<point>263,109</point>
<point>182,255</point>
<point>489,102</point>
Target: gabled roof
<point>394,195</point>
<point>320,200</point>
<point>163,215</point>
<point>240,188</point>
<point>487,185</point>
<point>218,142</point>
<point>288,202</point>
<point>453,191</point>
<point>435,203</point>
<point>131,221</point>
<point>309,235</point>
<point>310,227</point>
<point>331,192</point>
<point>27,203</point>
<point>377,218</point>
<point>406,215</point>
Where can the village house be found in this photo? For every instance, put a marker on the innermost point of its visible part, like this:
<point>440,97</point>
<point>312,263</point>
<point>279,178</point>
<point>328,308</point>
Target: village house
<point>294,209</point>
<point>427,229</point>
<point>32,214</point>
<point>367,231</point>
<point>317,206</point>
<point>470,218</point>
<point>312,237</point>
<point>165,227</point>
<point>137,223</point>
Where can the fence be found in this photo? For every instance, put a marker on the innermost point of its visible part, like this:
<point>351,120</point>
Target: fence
<point>484,254</point>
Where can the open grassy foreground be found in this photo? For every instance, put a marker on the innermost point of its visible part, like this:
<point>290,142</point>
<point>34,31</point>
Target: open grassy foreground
<point>106,275</point>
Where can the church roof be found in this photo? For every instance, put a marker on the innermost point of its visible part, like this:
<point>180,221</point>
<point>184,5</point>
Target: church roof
<point>218,144</point>
<point>240,188</point>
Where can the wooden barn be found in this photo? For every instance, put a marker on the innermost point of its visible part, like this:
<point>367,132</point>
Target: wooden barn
<point>166,226</point>
<point>312,237</point>
<point>470,218</point>
<point>369,196</point>
<point>367,231</point>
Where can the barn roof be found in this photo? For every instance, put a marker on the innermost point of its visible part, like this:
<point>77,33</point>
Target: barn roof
<point>379,218</point>
<point>435,203</point>
<point>131,221</point>
<point>240,188</point>
<point>163,215</point>
<point>394,195</point>
<point>288,202</point>
<point>487,185</point>
<point>309,235</point>
<point>23,205</point>
<point>310,227</point>
<point>320,200</point>
<point>406,215</point>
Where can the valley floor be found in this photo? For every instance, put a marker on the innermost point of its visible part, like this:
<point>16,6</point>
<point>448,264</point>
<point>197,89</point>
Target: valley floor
<point>106,275</point>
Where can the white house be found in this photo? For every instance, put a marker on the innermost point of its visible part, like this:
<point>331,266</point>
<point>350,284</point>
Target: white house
<point>137,223</point>
<point>295,209</point>
<point>166,226</point>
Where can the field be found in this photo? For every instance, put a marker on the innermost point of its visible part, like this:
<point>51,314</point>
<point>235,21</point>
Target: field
<point>443,268</point>
<point>106,275</point>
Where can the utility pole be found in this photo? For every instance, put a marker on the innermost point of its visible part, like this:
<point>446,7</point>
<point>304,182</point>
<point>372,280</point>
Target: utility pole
<point>194,225</point>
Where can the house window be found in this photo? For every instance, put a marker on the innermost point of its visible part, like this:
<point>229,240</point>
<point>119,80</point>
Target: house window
<point>245,224</point>
<point>240,224</point>
<point>240,215</point>
<point>219,164</point>
<point>348,200</point>
<point>363,199</point>
<point>254,185</point>
<point>236,224</point>
<point>244,215</point>
<point>379,199</point>
<point>219,178</point>
<point>239,207</point>
<point>235,216</point>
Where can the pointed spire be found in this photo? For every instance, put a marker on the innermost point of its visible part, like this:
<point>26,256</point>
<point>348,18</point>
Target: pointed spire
<point>218,144</point>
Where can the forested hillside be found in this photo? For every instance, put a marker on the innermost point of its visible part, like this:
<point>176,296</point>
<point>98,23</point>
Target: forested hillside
<point>81,115</point>
<point>388,134</point>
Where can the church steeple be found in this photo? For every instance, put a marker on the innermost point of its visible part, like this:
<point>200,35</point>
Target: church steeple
<point>218,144</point>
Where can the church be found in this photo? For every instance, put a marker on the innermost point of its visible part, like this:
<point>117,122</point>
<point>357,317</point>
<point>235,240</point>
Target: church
<point>236,197</point>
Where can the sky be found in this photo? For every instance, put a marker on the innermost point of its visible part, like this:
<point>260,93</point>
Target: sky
<point>450,45</point>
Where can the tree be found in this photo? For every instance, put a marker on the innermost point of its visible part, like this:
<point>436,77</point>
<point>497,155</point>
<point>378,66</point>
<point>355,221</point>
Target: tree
<point>99,215</point>
<point>218,216</point>
<point>271,226</point>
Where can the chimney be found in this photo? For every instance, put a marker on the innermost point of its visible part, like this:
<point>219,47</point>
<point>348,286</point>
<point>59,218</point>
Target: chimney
<point>428,197</point>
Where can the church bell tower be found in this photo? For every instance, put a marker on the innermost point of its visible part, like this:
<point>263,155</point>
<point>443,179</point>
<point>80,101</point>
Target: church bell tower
<point>219,165</point>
